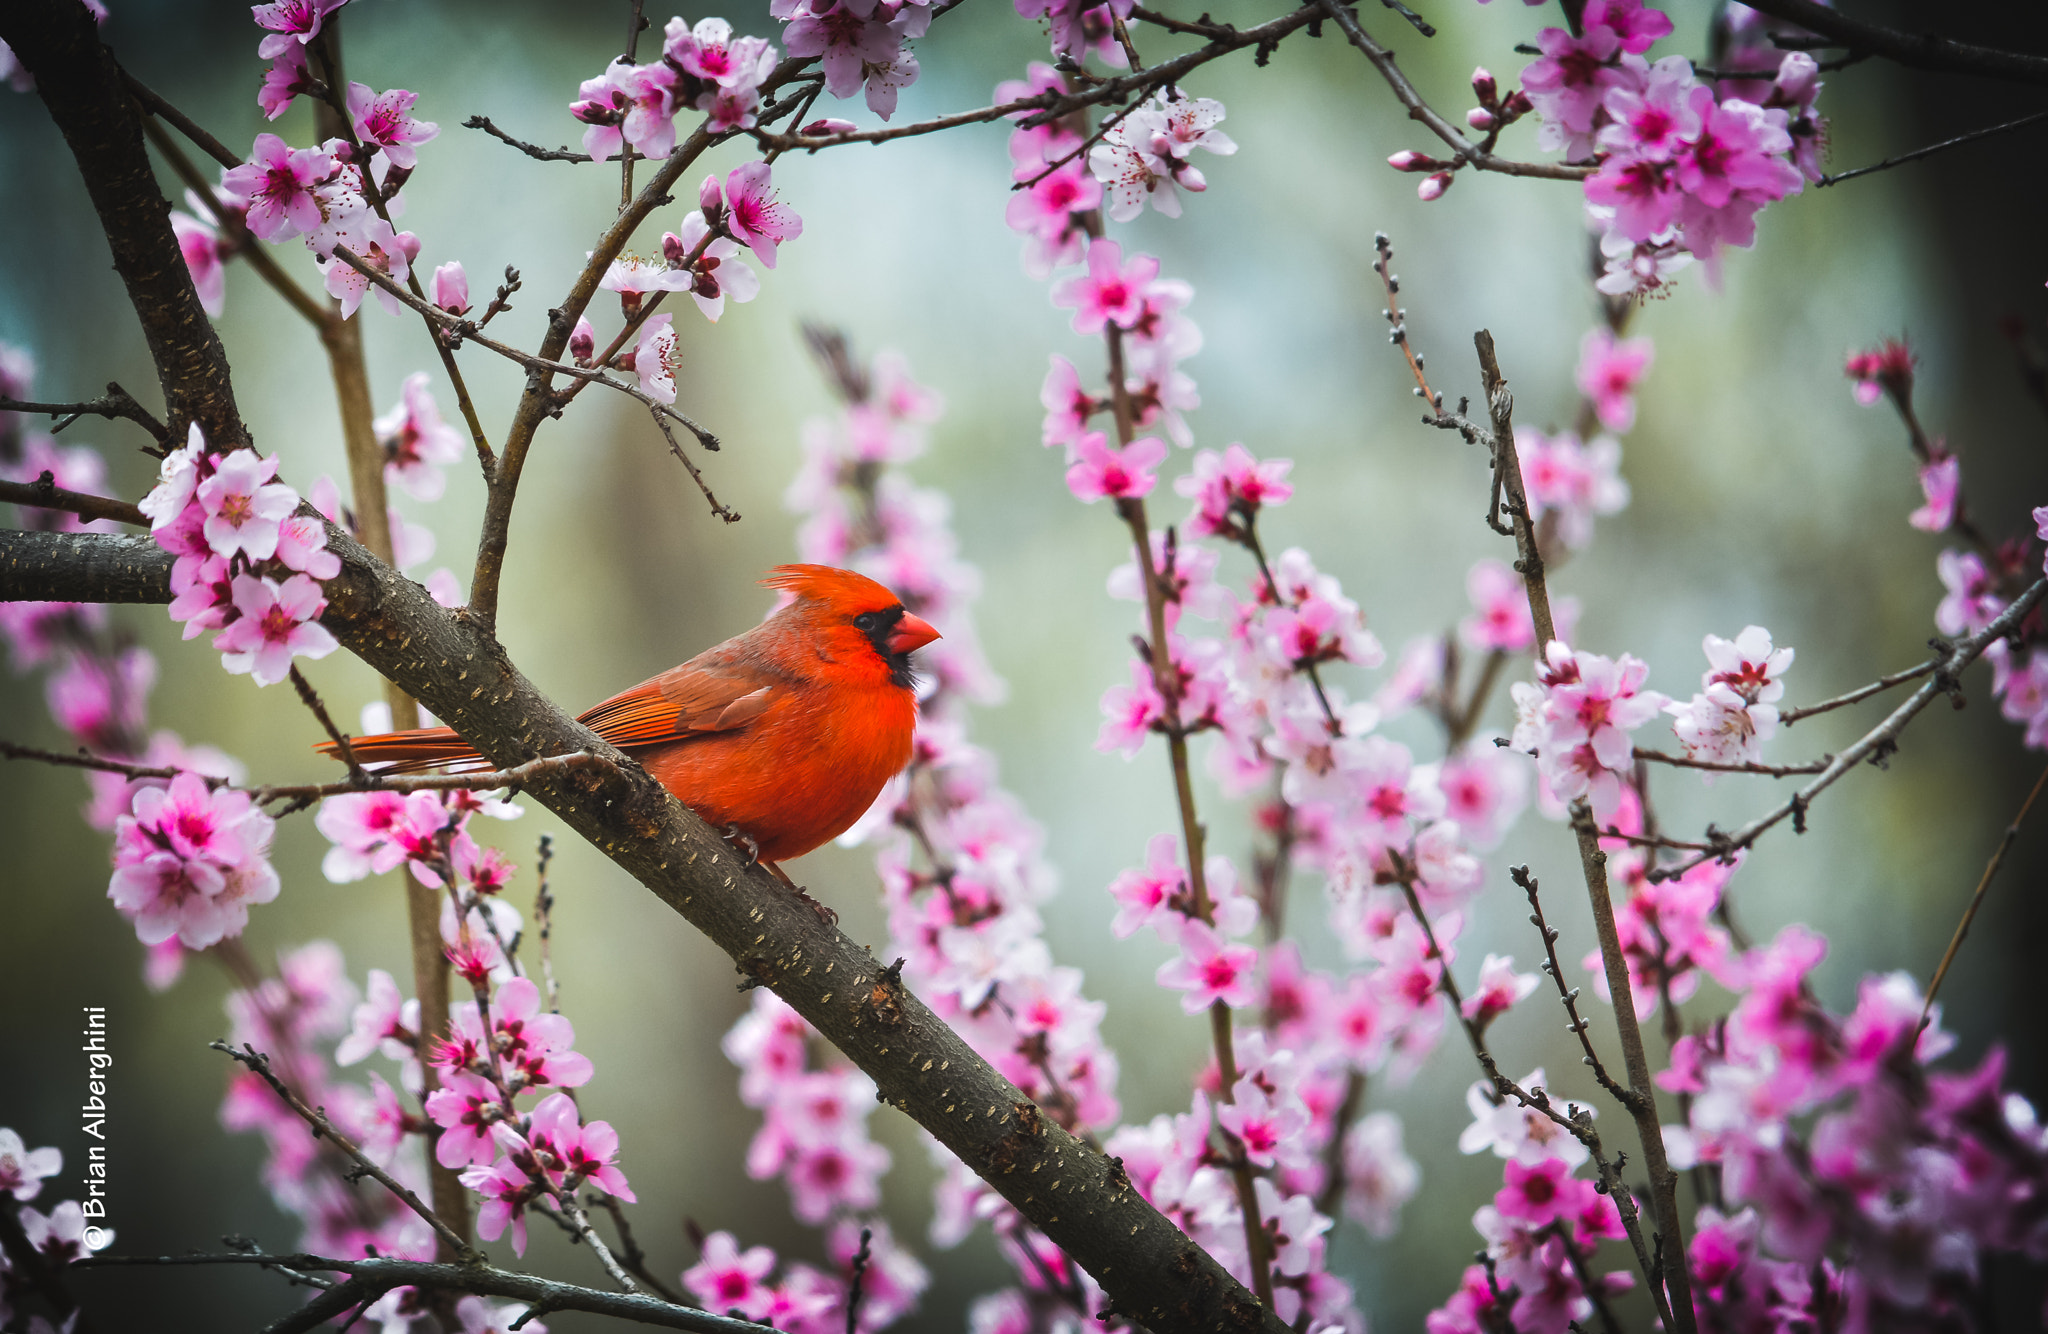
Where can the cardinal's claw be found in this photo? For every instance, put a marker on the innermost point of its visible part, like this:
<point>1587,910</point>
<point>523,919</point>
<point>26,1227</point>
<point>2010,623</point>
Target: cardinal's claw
<point>741,843</point>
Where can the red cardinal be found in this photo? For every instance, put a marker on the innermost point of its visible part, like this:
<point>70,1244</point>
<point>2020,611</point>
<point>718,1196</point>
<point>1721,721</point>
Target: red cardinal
<point>781,737</point>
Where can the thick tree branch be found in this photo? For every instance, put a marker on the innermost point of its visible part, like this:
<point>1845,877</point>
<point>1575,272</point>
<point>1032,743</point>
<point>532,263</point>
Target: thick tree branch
<point>1149,1268</point>
<point>82,86</point>
<point>1913,50</point>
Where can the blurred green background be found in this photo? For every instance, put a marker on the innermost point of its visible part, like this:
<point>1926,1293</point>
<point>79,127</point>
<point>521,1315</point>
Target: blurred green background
<point>1762,494</point>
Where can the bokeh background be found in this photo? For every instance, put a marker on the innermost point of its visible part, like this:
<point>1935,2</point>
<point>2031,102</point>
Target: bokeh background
<point>1761,494</point>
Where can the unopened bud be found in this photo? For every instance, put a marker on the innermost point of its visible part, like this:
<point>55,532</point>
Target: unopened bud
<point>673,250</point>
<point>1517,105</point>
<point>1479,118</point>
<point>828,125</point>
<point>1483,87</point>
<point>1410,160</point>
<point>583,342</point>
<point>710,198</point>
<point>1433,187</point>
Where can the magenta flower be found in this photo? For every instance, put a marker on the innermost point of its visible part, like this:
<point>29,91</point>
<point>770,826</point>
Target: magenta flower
<point>1500,601</point>
<point>713,54</point>
<point>189,861</point>
<point>753,216</point>
<point>1269,1128</point>
<point>278,181</point>
<point>840,1177</point>
<point>1643,193</point>
<point>1566,85</point>
<point>1100,471</point>
<point>286,78</point>
<point>466,1106</point>
<point>293,23</point>
<point>1885,369</point>
<point>385,120</point>
<point>572,1154</point>
<point>102,699</point>
<point>1651,122</point>
<point>1499,988</point>
<point>1972,601</point>
<point>1941,482</point>
<point>200,244</point>
<point>382,249</point>
<point>726,1280</point>
<point>276,625</point>
<point>1208,969</point>
<point>1148,897</point>
<point>1609,372</point>
<point>1046,210</point>
<point>718,272</point>
<point>243,505</point>
<point>507,1189</point>
<point>1740,147</point>
<point>1111,292</point>
<point>1598,701</point>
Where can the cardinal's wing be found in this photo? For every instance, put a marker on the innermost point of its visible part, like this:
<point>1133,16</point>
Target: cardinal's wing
<point>705,694</point>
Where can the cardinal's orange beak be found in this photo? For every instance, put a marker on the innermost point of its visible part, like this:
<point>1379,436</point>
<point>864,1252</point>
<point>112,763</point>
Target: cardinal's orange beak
<point>911,632</point>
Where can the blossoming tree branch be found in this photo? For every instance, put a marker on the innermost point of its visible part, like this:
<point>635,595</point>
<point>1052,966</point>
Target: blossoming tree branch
<point>1771,1165</point>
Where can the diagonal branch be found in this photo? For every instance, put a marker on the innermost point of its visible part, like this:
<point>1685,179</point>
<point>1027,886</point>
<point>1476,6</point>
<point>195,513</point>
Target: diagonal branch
<point>1924,51</point>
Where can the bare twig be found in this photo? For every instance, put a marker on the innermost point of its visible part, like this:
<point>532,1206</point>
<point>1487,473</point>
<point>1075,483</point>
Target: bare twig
<point>259,1065</point>
<point>534,151</point>
<point>311,699</point>
<point>1932,149</point>
<point>630,1254</point>
<point>44,493</point>
<point>2012,831</point>
<point>854,1293</point>
<point>1878,741</point>
<point>1716,766</point>
<point>1568,995</point>
<point>185,125</point>
<point>374,1276</point>
<point>544,926</point>
<point>116,402</point>
<point>1787,717</point>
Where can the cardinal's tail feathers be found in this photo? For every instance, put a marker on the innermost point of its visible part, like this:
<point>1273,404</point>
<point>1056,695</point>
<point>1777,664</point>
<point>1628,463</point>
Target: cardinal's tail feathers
<point>411,752</point>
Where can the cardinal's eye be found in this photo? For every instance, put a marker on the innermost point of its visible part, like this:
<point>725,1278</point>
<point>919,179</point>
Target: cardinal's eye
<point>868,621</point>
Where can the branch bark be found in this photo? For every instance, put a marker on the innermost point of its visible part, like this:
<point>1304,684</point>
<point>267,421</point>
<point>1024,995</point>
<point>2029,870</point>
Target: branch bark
<point>1915,50</point>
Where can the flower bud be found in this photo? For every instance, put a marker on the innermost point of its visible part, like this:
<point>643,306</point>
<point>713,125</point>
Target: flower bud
<point>451,288</point>
<point>1479,118</point>
<point>711,199</point>
<point>828,125</point>
<point>1433,187</point>
<point>1410,160</point>
<point>1484,88</point>
<point>673,250</point>
<point>583,342</point>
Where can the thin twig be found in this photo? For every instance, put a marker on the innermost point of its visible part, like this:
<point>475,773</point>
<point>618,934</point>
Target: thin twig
<point>380,1274</point>
<point>1568,995</point>
<point>544,924</point>
<point>1787,717</point>
<point>1716,766</point>
<point>259,1065</point>
<point>184,124</point>
<point>1932,149</point>
<point>2012,831</point>
<point>1878,741</point>
<point>116,402</point>
<point>534,151</point>
<point>630,1254</point>
<point>44,493</point>
<point>854,1293</point>
<point>311,699</point>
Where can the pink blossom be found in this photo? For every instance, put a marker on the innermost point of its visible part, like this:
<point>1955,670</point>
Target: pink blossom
<point>1046,208</point>
<point>384,120</point>
<point>278,181</point>
<point>1637,25</point>
<point>1231,488</point>
<point>1269,1129</point>
<point>1502,621</point>
<point>531,1044</point>
<point>189,861</point>
<point>753,215</point>
<point>654,358</point>
<point>466,1106</point>
<point>384,1022</point>
<point>1500,987</point>
<point>1484,788</point>
<point>61,1236</point>
<point>1941,482</point>
<point>243,505</point>
<point>1522,1134</point>
<point>507,1189</point>
<point>1644,195</point>
<point>830,1178</point>
<point>583,341</point>
<point>1609,372</point>
<point>200,244</point>
<point>1111,292</point>
<point>286,78</point>
<point>1739,148</point>
<point>1567,83</point>
<point>847,43</point>
<point>1145,897</point>
<point>1208,970</point>
<point>382,250</point>
<point>573,1154</point>
<point>713,54</point>
<point>1651,122</point>
<point>718,272</point>
<point>1597,701</point>
<point>1067,406</point>
<point>727,1280</point>
<point>1972,601</point>
<point>102,699</point>
<point>22,1169</point>
<point>1099,471</point>
<point>1379,1176</point>
<point>417,442</point>
<point>1537,1195</point>
<point>1575,482</point>
<point>295,22</point>
<point>277,623</point>
<point>451,288</point>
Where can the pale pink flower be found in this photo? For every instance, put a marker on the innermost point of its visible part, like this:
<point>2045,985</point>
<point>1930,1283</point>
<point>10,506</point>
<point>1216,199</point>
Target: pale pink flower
<point>1972,601</point>
<point>293,22</point>
<point>848,44</point>
<point>278,181</point>
<point>381,249</point>
<point>1269,1128</point>
<point>451,288</point>
<point>718,272</point>
<point>286,78</point>
<point>200,244</point>
<point>22,1169</point>
<point>1146,897</point>
<point>385,120</point>
<point>1609,371</point>
<point>276,625</point>
<point>1067,406</point>
<point>1111,292</point>
<point>1230,488</point>
<point>417,442</point>
<point>1498,989</point>
<point>190,860</point>
<point>1379,1175</point>
<point>385,1022</point>
<point>843,1176</point>
<point>1502,621</point>
<point>1099,471</point>
<point>654,358</point>
<point>1208,969</point>
<point>573,1154</point>
<point>243,505</point>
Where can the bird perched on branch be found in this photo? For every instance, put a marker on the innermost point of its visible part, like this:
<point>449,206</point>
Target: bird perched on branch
<point>780,737</point>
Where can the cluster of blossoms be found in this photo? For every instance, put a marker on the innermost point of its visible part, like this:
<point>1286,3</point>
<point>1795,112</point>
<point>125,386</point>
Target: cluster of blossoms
<point>1577,721</point>
<point>1854,1186</point>
<point>1736,711</point>
<point>1683,166</point>
<point>58,1238</point>
<point>703,260</point>
<point>249,565</point>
